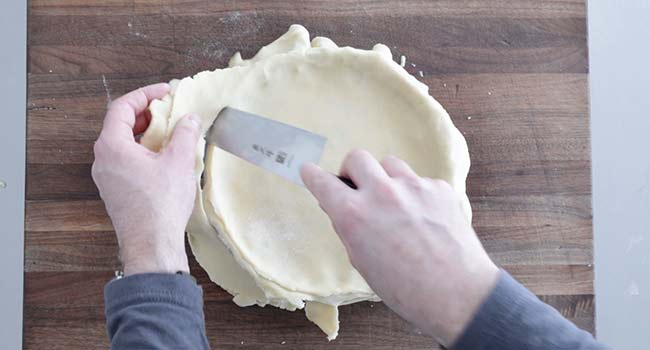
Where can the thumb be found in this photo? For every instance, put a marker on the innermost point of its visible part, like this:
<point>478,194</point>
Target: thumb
<point>184,138</point>
<point>326,187</point>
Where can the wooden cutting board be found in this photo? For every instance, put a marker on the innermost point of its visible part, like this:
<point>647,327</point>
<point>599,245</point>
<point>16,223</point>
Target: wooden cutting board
<point>512,74</point>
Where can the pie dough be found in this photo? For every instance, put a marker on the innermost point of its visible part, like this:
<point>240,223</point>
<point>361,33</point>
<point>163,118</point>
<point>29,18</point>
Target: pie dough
<point>264,239</point>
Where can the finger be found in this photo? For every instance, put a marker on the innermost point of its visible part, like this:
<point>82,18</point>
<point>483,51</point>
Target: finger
<point>361,167</point>
<point>396,167</point>
<point>185,137</point>
<point>121,115</point>
<point>326,187</point>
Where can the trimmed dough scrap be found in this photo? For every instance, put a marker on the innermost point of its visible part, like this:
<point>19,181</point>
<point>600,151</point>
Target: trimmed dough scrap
<point>261,237</point>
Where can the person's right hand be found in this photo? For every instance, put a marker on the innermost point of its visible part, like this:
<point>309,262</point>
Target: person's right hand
<point>409,239</point>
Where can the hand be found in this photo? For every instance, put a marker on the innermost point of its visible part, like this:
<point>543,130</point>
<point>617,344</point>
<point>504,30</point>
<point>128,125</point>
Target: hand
<point>409,239</point>
<point>149,196</point>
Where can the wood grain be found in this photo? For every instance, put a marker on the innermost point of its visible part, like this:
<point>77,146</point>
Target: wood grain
<point>327,8</point>
<point>66,303</point>
<point>492,45</point>
<point>512,74</point>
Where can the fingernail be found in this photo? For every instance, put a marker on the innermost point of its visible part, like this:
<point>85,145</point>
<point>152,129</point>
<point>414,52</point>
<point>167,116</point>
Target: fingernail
<point>195,119</point>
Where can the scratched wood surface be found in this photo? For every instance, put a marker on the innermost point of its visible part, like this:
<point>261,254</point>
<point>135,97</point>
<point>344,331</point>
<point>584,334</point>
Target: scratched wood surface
<point>512,74</point>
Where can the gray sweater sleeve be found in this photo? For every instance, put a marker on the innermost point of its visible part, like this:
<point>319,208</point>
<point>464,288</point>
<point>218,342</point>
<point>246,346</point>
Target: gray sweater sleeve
<point>155,311</point>
<point>165,311</point>
<point>512,318</point>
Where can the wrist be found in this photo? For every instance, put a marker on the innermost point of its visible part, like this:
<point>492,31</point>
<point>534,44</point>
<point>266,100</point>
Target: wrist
<point>471,294</point>
<point>153,260</point>
<point>140,267</point>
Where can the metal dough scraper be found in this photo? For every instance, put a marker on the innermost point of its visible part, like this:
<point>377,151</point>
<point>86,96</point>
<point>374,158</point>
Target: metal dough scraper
<point>272,145</point>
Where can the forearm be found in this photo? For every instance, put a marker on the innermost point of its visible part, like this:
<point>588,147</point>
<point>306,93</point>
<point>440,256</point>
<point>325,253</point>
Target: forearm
<point>155,311</point>
<point>513,318</point>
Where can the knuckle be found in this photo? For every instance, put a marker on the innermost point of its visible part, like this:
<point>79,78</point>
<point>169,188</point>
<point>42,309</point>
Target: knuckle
<point>356,259</point>
<point>102,148</point>
<point>422,185</point>
<point>98,148</point>
<point>180,148</point>
<point>184,128</point>
<point>438,184</point>
<point>111,105</point>
<point>94,171</point>
<point>385,189</point>
<point>415,182</point>
<point>186,133</point>
<point>109,149</point>
<point>350,206</point>
<point>357,153</point>
<point>116,105</point>
<point>171,149</point>
<point>398,247</point>
<point>390,159</point>
<point>118,150</point>
<point>97,172</point>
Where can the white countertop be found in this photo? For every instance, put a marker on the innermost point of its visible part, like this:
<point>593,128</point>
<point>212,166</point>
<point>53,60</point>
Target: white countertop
<point>13,97</point>
<point>619,60</point>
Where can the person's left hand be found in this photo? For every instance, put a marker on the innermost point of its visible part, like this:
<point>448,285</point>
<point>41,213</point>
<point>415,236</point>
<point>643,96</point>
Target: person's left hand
<point>149,196</point>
